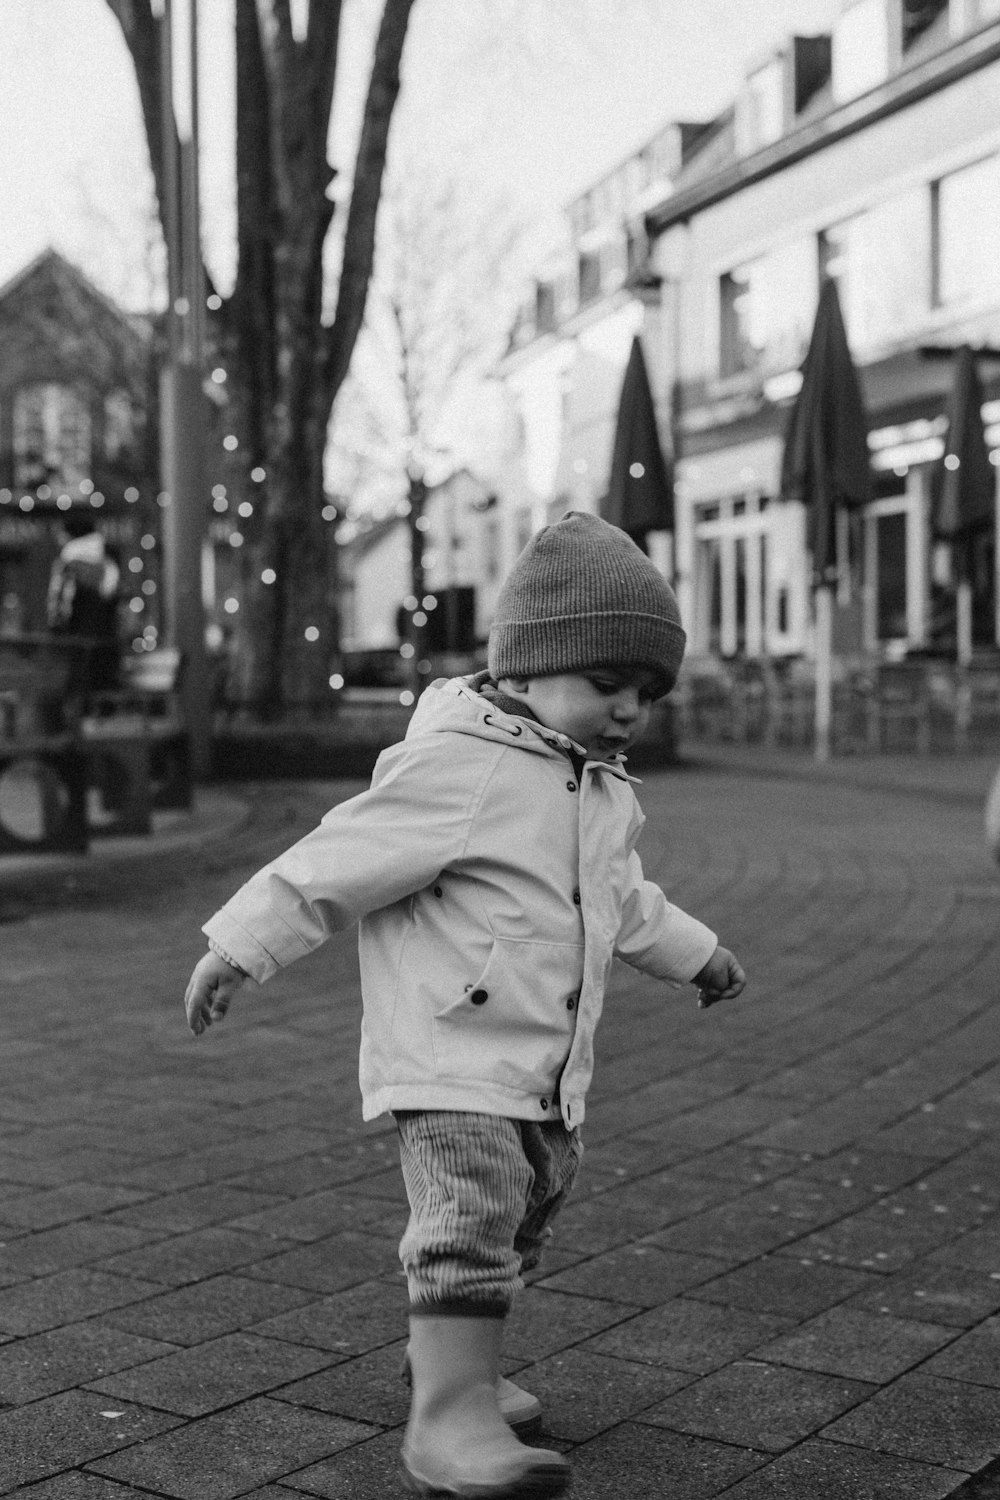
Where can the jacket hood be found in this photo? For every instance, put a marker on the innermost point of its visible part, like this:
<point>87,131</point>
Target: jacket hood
<point>454,705</point>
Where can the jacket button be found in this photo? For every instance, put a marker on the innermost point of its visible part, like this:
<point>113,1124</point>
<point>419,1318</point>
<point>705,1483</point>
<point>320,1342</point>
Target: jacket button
<point>479,997</point>
<point>576,898</point>
<point>438,891</point>
<point>571,1002</point>
<point>544,1103</point>
<point>571,786</point>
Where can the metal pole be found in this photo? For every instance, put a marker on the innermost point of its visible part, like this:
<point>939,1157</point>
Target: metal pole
<point>824,670</point>
<point>182,412</point>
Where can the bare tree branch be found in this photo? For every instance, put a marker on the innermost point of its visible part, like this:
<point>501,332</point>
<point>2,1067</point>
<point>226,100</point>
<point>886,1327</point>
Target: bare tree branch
<point>359,236</point>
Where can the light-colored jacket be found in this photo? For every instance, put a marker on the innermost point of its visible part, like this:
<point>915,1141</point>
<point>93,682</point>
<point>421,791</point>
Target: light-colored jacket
<point>493,893</point>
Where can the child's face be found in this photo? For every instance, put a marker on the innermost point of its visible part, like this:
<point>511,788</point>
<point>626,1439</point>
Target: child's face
<point>605,710</point>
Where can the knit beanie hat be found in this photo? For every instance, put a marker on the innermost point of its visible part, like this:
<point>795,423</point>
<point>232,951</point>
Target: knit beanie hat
<point>583,595</point>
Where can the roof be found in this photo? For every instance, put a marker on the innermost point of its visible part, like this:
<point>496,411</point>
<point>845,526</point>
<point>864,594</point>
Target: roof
<point>714,171</point>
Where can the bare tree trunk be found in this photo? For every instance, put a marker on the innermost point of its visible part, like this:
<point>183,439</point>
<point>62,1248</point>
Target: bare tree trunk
<point>285,366</point>
<point>416,634</point>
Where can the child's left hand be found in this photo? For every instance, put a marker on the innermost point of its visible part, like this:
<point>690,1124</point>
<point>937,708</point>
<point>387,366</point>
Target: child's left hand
<point>722,978</point>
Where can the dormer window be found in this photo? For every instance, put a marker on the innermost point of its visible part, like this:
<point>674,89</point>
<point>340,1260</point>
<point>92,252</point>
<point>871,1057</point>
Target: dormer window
<point>861,49</point>
<point>760,111</point>
<point>545,307</point>
<point>590,275</point>
<point>917,16</point>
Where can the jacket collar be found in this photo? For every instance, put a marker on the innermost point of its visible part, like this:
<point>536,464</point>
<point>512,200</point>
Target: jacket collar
<point>483,684</point>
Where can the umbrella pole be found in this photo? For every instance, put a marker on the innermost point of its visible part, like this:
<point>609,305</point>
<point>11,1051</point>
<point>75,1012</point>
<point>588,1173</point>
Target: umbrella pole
<point>824,670</point>
<point>964,622</point>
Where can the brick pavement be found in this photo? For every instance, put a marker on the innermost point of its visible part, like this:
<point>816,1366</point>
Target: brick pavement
<point>779,1276</point>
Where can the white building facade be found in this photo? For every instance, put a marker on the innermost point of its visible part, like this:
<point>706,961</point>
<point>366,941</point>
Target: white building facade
<point>871,156</point>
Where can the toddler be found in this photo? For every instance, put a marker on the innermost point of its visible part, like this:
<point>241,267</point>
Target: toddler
<point>492,867</point>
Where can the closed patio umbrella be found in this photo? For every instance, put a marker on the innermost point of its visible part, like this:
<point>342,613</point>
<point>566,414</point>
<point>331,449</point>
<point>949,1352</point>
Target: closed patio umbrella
<point>964,485</point>
<point>640,496</point>
<point>825,465</point>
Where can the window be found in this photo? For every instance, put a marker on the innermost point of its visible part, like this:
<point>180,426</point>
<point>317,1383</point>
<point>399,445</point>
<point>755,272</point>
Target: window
<point>119,426</point>
<point>590,276</point>
<point>918,15</point>
<point>545,307</point>
<point>881,263</point>
<point>51,437</point>
<point>968,203</point>
<point>761,107</point>
<point>766,309</point>
<point>860,49</point>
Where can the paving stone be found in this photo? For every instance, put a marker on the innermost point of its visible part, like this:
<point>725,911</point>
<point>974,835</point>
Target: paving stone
<point>926,1417</point>
<point>818,1470</point>
<point>329,1265</point>
<point>341,1163</point>
<point>207,1309</point>
<point>543,1322</point>
<point>688,1335</point>
<point>648,1463</point>
<point>194,1208</point>
<point>195,1381</point>
<point>879,1171</point>
<point>76,1485</point>
<point>370,1470</point>
<point>67,1430</point>
<point>807,1200</point>
<point>858,1345</point>
<point>939,1293</point>
<point>632,1212</point>
<point>189,1257</point>
<point>583,1393</point>
<point>640,1274</point>
<point>231,1452</point>
<point>785,1286</point>
<point>64,1357</point>
<point>975,1356</point>
<point>978,1250</point>
<point>52,1250</point>
<point>318,1215</point>
<point>757,1405</point>
<point>68,1296</point>
<point>61,1205</point>
<point>747,1166</point>
<point>731,1232</point>
<point>347,1323</point>
<point>369,1388</point>
<point>878,1238</point>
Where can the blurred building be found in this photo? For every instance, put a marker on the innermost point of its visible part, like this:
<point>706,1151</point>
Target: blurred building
<point>871,156</point>
<point>77,432</point>
<point>463,568</point>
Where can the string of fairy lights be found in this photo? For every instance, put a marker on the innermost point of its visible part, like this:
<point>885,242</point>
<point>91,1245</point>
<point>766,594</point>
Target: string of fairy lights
<point>142,588</point>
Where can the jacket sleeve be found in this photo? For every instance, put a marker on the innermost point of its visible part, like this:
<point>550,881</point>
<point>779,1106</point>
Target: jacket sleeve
<point>655,936</point>
<point>367,853</point>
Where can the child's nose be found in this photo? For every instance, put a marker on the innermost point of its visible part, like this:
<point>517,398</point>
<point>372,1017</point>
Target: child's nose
<point>626,704</point>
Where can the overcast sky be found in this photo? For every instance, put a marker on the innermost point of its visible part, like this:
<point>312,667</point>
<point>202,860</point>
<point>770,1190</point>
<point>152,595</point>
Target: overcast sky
<point>543,108</point>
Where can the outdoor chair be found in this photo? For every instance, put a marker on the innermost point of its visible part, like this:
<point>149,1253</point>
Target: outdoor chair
<point>897,706</point>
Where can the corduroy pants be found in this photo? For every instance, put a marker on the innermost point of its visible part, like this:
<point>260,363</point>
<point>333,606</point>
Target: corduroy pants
<point>483,1192</point>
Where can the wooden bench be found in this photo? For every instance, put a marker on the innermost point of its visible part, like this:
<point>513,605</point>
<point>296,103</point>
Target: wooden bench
<point>136,745</point>
<point>42,764</point>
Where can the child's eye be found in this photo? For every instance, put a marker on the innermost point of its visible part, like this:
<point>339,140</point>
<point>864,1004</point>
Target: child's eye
<point>605,685</point>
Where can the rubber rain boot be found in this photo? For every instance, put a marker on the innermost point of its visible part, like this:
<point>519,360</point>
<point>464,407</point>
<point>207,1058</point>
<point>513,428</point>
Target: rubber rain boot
<point>519,1408</point>
<point>457,1443</point>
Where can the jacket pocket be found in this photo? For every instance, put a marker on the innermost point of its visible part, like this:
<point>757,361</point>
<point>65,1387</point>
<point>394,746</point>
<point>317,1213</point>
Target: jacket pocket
<point>514,1023</point>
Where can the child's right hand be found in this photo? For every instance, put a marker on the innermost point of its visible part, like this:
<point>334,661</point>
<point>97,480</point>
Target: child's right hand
<point>210,991</point>
<point>722,978</point>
